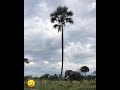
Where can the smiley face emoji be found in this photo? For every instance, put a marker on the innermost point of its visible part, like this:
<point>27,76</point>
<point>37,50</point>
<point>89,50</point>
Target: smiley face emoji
<point>31,83</point>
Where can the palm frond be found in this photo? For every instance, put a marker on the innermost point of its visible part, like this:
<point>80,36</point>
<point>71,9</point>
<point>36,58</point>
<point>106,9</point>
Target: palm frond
<point>63,23</point>
<point>69,20</point>
<point>62,16</point>
<point>70,13</point>
<point>59,10</point>
<point>54,15</point>
<point>62,19</point>
<point>59,21</point>
<point>51,15</point>
<point>53,19</point>
<point>59,28</point>
<point>55,26</point>
<point>65,9</point>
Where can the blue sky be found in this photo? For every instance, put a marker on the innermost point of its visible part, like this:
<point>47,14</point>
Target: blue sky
<point>42,43</point>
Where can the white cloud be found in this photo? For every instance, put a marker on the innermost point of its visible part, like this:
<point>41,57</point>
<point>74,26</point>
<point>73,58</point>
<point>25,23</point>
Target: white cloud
<point>46,62</point>
<point>30,65</point>
<point>93,5</point>
<point>43,43</point>
<point>78,48</point>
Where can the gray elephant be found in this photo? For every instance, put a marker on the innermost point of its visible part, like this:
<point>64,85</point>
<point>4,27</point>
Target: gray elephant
<point>72,75</point>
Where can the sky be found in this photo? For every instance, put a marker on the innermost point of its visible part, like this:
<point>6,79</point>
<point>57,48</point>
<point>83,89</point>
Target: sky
<point>42,43</point>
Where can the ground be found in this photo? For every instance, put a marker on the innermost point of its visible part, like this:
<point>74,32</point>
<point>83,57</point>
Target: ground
<point>63,85</point>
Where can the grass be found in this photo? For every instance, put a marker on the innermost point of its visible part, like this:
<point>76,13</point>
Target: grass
<point>63,85</point>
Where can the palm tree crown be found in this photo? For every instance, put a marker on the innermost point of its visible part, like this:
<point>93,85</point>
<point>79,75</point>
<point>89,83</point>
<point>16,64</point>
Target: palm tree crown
<point>62,16</point>
<point>84,69</point>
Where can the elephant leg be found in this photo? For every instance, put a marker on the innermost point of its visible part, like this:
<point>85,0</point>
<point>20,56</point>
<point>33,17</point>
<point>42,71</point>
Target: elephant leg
<point>70,80</point>
<point>65,80</point>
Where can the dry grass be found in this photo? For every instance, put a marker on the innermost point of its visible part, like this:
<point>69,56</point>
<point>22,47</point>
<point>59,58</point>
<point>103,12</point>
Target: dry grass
<point>63,85</point>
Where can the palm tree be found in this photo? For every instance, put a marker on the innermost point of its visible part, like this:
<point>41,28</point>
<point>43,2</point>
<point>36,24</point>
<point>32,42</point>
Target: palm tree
<point>61,16</point>
<point>84,69</point>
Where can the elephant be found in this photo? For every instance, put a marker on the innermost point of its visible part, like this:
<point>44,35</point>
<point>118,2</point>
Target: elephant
<point>72,75</point>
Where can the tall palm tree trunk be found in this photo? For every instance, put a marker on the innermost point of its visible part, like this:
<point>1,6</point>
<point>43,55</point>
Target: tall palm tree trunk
<point>62,52</point>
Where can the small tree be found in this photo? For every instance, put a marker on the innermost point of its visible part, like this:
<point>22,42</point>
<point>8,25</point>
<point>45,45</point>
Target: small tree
<point>84,69</point>
<point>94,73</point>
<point>26,60</point>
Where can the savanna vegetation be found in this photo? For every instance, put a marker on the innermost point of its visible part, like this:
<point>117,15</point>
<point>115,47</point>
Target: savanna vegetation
<point>54,82</point>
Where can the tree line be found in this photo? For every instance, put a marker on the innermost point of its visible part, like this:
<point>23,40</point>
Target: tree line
<point>55,77</point>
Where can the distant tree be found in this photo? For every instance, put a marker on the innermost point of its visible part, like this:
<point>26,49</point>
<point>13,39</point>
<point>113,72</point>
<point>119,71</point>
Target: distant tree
<point>45,76</point>
<point>94,73</point>
<point>26,60</point>
<point>36,78</point>
<point>26,78</point>
<point>56,76</point>
<point>51,77</point>
<point>30,76</point>
<point>84,69</point>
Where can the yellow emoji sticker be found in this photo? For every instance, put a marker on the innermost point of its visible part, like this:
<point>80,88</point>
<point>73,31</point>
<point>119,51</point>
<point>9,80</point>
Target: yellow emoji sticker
<point>31,83</point>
